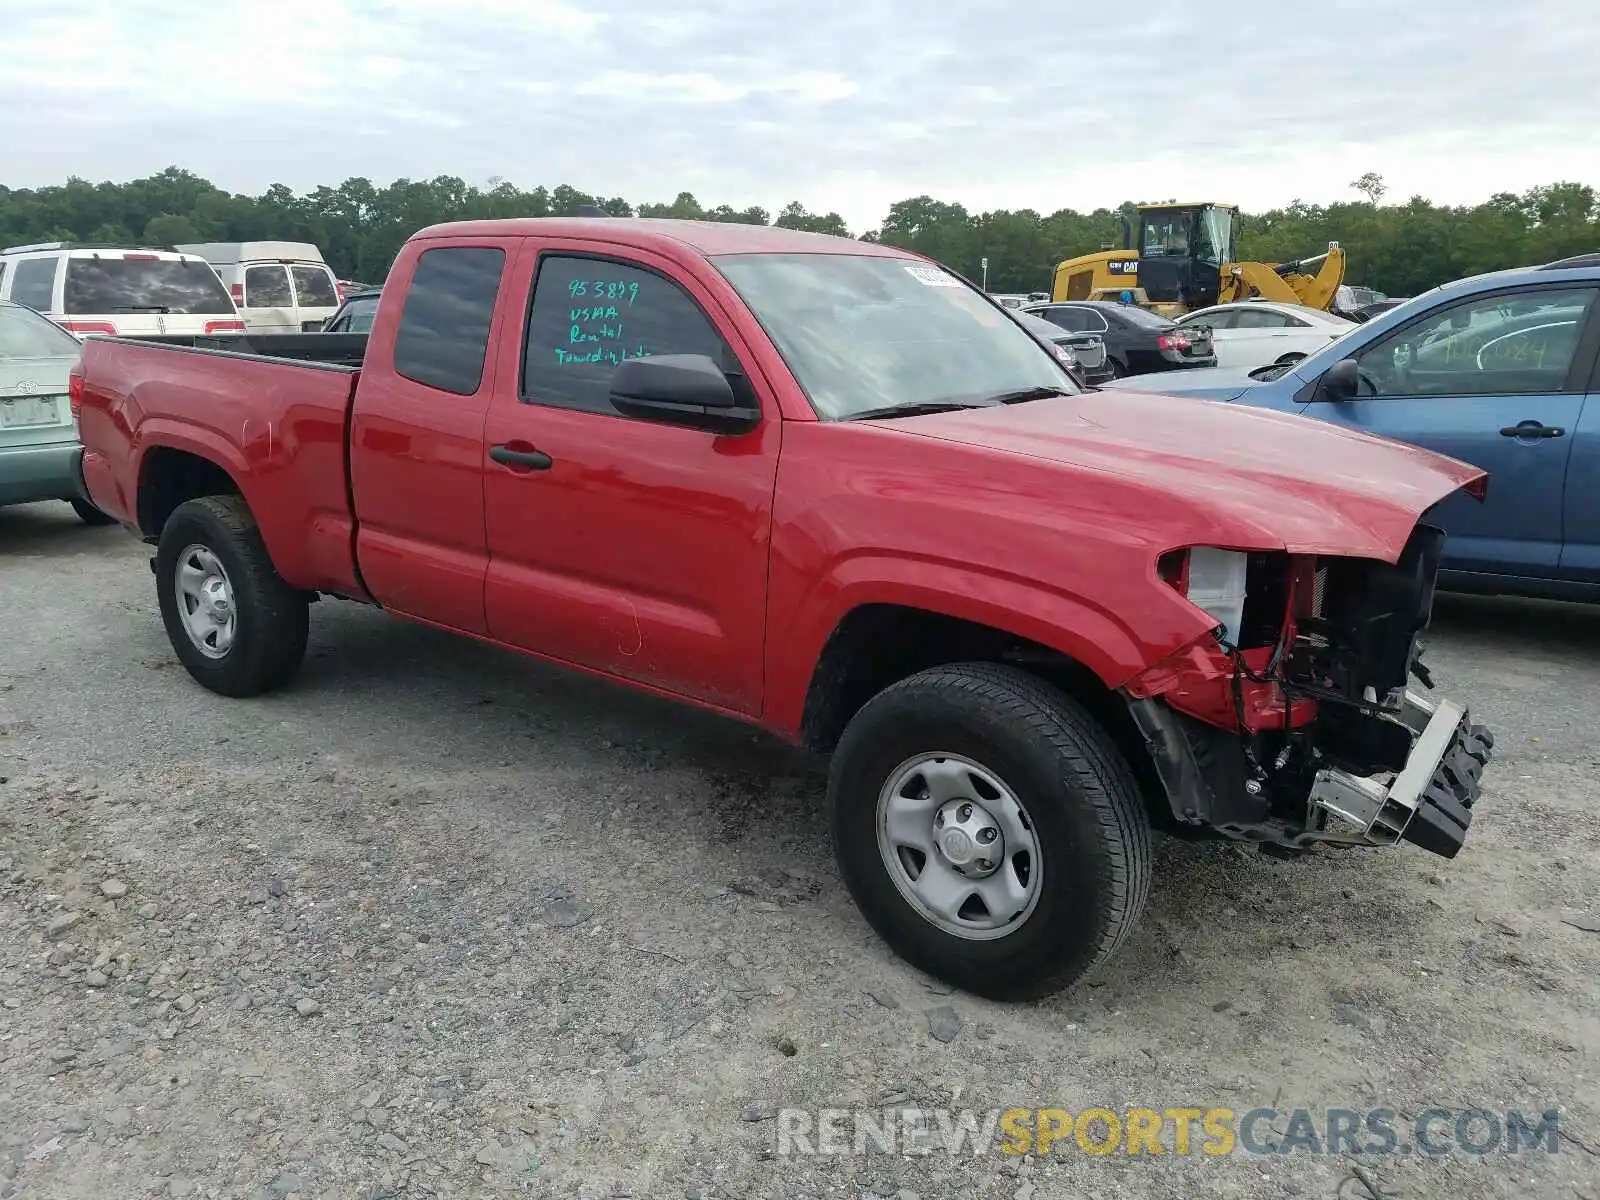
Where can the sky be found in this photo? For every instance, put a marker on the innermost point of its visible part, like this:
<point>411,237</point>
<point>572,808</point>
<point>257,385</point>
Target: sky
<point>844,107</point>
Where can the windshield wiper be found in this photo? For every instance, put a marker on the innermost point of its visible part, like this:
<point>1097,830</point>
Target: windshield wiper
<point>920,409</point>
<point>1023,395</point>
<point>138,308</point>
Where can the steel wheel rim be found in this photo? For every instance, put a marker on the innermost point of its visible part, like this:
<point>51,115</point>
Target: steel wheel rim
<point>205,601</point>
<point>934,816</point>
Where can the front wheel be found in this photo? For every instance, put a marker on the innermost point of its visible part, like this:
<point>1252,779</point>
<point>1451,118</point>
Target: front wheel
<point>237,627</point>
<point>89,514</point>
<point>989,830</point>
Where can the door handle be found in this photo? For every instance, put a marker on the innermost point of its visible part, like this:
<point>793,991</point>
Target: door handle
<point>529,459</point>
<point>1532,429</point>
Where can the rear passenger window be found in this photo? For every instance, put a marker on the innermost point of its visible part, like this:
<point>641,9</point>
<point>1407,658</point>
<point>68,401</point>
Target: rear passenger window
<point>314,287</point>
<point>444,326</point>
<point>267,287</point>
<point>589,314</point>
<point>35,283</point>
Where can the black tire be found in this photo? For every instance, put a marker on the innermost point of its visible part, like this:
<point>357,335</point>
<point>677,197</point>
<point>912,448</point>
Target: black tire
<point>1076,787</point>
<point>272,620</point>
<point>1119,369</point>
<point>89,514</point>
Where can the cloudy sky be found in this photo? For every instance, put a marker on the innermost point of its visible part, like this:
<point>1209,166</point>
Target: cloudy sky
<point>845,108</point>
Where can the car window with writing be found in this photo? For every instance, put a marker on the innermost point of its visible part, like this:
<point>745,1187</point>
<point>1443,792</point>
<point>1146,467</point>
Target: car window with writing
<point>1493,345</point>
<point>588,315</point>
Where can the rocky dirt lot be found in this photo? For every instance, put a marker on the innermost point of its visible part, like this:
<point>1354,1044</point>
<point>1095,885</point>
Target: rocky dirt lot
<point>438,922</point>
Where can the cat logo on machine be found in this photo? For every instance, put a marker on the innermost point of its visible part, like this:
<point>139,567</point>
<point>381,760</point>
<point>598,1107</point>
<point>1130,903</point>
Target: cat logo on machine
<point>1123,266</point>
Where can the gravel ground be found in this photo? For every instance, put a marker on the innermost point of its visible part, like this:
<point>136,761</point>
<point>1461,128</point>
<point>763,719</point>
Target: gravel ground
<point>441,922</point>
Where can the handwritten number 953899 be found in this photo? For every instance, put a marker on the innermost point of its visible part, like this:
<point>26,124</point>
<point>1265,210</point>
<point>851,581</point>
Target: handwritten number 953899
<point>604,289</point>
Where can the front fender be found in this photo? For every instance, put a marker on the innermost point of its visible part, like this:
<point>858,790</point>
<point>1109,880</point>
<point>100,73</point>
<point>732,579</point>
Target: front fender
<point>1055,617</point>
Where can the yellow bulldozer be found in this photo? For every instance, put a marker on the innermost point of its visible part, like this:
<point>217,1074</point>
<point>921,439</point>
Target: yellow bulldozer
<point>1183,259</point>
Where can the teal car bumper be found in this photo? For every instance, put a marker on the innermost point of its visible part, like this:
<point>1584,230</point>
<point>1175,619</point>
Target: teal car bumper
<point>47,472</point>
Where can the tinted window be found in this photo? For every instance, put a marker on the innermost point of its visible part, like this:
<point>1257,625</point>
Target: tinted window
<point>1491,345</point>
<point>1259,318</point>
<point>314,287</point>
<point>267,287</point>
<point>35,283</point>
<point>1219,319</point>
<point>1132,314</point>
<point>588,315</point>
<point>127,285</point>
<point>444,327</point>
<point>27,335</point>
<point>1067,318</point>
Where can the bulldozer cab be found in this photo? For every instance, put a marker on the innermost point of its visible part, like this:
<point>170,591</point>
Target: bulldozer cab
<point>1182,248</point>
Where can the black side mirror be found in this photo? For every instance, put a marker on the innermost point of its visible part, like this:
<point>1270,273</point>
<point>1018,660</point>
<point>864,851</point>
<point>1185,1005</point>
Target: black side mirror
<point>680,389</point>
<point>1341,382</point>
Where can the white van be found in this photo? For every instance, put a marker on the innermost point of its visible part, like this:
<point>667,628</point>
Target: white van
<point>279,287</point>
<point>116,290</point>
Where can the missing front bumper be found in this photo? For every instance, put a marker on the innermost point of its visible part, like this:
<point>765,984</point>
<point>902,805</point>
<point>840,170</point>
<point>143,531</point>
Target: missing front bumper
<point>1429,802</point>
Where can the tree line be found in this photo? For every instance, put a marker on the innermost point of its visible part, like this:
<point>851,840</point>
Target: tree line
<point>1400,249</point>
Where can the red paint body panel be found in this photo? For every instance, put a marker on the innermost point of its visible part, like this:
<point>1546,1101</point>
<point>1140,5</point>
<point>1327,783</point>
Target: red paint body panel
<point>715,568</point>
<point>278,429</point>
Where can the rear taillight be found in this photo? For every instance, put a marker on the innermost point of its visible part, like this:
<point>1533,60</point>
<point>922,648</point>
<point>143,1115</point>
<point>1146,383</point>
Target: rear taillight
<point>237,292</point>
<point>224,327</point>
<point>88,327</point>
<point>1478,489</point>
<point>1173,341</point>
<point>75,389</point>
<point>141,258</point>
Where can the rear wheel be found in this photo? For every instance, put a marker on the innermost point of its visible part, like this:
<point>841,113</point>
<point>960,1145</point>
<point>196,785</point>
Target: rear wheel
<point>89,514</point>
<point>237,627</point>
<point>1119,369</point>
<point>989,830</point>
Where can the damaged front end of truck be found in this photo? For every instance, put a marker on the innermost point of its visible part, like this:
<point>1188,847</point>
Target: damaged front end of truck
<point>1304,717</point>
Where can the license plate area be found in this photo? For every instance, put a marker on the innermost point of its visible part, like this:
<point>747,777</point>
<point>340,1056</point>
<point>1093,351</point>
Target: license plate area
<point>30,412</point>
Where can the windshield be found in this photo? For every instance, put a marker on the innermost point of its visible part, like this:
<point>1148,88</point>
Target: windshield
<point>865,332</point>
<point>25,334</point>
<point>1214,240</point>
<point>121,285</point>
<point>358,314</point>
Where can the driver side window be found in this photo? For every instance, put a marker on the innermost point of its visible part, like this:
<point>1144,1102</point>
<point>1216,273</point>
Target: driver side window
<point>1491,345</point>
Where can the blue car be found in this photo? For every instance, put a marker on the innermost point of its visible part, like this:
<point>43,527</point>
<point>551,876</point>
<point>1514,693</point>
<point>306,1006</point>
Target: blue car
<point>1498,370</point>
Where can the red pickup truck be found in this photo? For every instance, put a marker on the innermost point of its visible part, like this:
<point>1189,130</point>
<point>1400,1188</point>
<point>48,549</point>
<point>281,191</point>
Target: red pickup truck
<point>830,489</point>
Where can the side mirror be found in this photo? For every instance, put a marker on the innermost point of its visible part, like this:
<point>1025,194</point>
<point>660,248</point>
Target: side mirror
<point>680,389</point>
<point>1341,382</point>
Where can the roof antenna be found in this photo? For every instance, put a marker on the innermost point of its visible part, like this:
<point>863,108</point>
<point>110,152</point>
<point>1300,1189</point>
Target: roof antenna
<point>591,210</point>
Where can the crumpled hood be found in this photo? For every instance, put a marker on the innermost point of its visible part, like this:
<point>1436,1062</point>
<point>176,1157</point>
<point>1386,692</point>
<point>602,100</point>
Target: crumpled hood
<point>1258,479</point>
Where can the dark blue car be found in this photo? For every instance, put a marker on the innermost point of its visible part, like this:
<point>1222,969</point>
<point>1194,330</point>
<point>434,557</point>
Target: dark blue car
<point>1497,370</point>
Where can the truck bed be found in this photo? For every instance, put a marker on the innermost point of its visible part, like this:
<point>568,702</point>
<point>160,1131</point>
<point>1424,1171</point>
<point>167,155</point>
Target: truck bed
<point>331,349</point>
<point>276,422</point>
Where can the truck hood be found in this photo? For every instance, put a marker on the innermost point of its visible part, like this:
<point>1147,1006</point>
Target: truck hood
<point>1256,479</point>
<point>1201,383</point>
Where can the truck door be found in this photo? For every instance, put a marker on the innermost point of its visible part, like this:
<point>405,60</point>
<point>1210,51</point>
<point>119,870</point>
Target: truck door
<point>416,433</point>
<point>626,546</point>
<point>1498,381</point>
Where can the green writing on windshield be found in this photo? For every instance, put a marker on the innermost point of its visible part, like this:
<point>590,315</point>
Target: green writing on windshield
<point>596,329</point>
